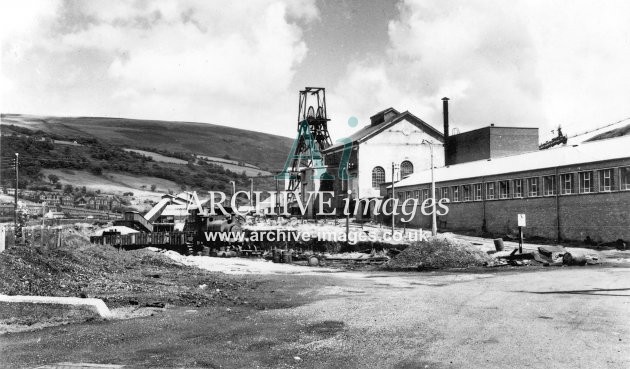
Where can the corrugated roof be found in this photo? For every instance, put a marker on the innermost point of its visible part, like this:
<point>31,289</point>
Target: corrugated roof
<point>120,229</point>
<point>177,210</point>
<point>608,149</point>
<point>369,131</point>
<point>585,136</point>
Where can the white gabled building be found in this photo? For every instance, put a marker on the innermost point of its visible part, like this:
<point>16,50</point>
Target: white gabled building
<point>391,137</point>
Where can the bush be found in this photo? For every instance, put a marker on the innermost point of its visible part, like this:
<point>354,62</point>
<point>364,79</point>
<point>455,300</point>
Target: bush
<point>96,170</point>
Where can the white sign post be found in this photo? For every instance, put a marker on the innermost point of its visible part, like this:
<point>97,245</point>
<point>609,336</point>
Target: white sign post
<point>521,223</point>
<point>2,238</point>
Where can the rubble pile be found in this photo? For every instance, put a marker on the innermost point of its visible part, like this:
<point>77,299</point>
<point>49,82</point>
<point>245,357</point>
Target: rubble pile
<point>139,277</point>
<point>545,256</point>
<point>439,252</point>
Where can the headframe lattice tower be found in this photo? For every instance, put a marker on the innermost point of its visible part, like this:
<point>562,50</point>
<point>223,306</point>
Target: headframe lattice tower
<point>313,134</point>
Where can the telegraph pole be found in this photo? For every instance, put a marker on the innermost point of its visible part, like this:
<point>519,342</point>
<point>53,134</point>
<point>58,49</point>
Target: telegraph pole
<point>251,192</point>
<point>434,211</point>
<point>433,199</point>
<point>15,194</point>
<point>393,197</point>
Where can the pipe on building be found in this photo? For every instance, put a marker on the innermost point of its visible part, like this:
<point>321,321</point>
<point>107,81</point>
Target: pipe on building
<point>484,227</point>
<point>557,185</point>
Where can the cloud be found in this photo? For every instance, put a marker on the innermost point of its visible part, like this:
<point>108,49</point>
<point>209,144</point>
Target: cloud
<point>526,63</point>
<point>213,61</point>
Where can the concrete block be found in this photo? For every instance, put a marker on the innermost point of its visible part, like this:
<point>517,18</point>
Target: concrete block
<point>95,305</point>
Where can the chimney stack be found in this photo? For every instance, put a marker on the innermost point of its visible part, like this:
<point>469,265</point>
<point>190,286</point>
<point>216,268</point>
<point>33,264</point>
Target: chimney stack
<point>447,159</point>
<point>445,112</point>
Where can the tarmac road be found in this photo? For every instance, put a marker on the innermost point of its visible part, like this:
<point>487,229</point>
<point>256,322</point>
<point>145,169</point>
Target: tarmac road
<point>562,318</point>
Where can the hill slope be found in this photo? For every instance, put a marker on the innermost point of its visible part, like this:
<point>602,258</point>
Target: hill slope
<point>621,131</point>
<point>260,149</point>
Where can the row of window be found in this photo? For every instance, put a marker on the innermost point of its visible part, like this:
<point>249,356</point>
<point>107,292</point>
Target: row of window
<point>378,173</point>
<point>565,184</point>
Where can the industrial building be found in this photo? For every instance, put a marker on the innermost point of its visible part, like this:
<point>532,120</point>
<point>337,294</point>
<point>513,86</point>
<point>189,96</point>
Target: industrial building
<point>489,175</point>
<point>391,137</point>
<point>412,145</point>
<point>568,192</point>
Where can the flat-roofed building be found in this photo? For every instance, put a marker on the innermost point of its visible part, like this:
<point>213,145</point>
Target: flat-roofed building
<point>568,192</point>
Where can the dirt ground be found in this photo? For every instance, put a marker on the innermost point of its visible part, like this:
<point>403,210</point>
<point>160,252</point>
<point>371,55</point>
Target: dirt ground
<point>564,317</point>
<point>243,313</point>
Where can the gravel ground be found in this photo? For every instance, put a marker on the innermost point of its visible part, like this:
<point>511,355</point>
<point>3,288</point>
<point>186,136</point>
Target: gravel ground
<point>244,266</point>
<point>562,318</point>
<point>277,315</point>
<point>569,318</point>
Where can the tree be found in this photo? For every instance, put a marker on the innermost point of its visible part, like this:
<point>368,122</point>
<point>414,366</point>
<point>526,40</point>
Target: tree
<point>96,170</point>
<point>153,187</point>
<point>53,178</point>
<point>68,188</point>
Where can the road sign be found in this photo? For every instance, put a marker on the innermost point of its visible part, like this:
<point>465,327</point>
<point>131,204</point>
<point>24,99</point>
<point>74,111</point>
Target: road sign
<point>521,220</point>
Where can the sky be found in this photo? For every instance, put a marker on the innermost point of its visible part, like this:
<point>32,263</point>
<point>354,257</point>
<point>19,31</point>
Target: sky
<point>241,63</point>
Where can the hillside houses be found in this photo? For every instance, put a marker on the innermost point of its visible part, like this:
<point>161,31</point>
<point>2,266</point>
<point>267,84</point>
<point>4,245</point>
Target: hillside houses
<point>67,199</point>
<point>97,202</point>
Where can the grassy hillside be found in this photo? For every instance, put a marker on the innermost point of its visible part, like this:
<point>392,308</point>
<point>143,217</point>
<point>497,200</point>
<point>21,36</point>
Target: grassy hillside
<point>621,131</point>
<point>45,157</point>
<point>260,149</point>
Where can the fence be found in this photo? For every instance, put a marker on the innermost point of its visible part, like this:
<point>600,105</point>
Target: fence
<point>31,237</point>
<point>6,211</point>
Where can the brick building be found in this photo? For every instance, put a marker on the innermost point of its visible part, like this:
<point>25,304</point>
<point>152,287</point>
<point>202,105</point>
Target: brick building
<point>490,142</point>
<point>567,192</point>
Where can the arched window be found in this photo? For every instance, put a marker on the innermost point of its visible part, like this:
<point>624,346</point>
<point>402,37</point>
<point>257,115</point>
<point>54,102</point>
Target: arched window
<point>406,168</point>
<point>378,177</point>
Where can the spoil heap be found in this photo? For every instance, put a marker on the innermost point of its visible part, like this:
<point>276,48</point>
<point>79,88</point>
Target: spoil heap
<point>439,252</point>
<point>139,277</point>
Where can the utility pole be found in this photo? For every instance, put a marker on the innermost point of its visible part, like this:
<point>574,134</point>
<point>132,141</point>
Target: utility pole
<point>433,199</point>
<point>393,197</point>
<point>251,192</point>
<point>434,212</point>
<point>15,194</point>
<point>44,223</point>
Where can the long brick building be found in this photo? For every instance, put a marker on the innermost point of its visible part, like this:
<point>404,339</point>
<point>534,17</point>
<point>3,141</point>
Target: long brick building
<point>568,192</point>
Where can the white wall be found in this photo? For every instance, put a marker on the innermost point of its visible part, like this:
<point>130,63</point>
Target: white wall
<point>398,143</point>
